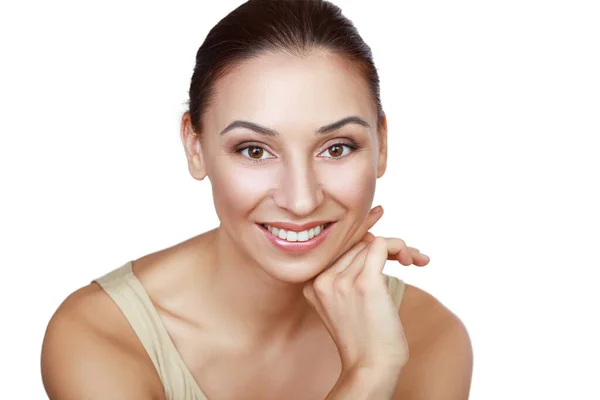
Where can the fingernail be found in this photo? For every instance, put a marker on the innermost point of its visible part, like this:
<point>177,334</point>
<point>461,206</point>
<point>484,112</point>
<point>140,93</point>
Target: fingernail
<point>376,210</point>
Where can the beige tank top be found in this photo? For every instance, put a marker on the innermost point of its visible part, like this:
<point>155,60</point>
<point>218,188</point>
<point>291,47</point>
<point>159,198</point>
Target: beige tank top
<point>123,286</point>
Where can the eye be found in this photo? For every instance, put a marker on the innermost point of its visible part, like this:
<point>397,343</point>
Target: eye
<point>255,153</point>
<point>337,150</point>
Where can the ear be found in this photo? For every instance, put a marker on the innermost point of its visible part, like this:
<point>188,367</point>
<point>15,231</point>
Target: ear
<point>193,148</point>
<point>383,148</point>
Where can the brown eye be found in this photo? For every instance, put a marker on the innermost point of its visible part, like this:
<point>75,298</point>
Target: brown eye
<point>336,150</point>
<point>255,152</point>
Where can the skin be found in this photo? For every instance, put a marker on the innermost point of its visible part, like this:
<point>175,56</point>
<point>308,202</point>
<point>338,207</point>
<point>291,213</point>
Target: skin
<point>230,300</point>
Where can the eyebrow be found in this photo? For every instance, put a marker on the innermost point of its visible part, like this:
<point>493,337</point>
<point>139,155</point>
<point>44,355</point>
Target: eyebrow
<point>270,132</point>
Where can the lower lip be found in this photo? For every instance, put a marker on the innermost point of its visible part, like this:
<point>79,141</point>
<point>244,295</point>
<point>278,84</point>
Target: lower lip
<point>296,247</point>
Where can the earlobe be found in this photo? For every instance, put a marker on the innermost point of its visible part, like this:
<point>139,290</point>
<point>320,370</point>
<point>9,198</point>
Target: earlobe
<point>383,148</point>
<point>193,148</point>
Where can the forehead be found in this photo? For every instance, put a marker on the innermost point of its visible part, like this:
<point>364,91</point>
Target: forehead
<point>285,92</point>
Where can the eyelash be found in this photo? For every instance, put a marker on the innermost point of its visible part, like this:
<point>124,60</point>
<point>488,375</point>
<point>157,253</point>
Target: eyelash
<point>246,146</point>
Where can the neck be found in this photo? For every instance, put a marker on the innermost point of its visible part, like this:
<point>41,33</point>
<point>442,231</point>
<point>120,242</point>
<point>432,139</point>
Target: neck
<point>249,300</point>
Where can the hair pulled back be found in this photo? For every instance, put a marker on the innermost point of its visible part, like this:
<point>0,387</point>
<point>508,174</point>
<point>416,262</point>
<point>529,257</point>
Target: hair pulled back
<point>297,27</point>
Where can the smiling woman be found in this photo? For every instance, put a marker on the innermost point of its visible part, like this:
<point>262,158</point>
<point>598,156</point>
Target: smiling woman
<point>286,298</point>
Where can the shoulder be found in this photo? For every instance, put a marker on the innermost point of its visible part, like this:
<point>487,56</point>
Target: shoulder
<point>90,351</point>
<point>440,353</point>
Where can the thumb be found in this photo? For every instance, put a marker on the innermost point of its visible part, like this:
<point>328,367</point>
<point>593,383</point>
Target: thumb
<point>374,215</point>
<point>363,232</point>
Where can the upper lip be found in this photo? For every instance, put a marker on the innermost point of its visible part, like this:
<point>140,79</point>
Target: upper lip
<point>296,227</point>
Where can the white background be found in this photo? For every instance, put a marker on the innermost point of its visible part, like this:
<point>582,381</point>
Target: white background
<point>493,112</point>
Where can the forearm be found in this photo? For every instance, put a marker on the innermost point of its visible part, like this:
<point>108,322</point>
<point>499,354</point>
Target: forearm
<point>363,385</point>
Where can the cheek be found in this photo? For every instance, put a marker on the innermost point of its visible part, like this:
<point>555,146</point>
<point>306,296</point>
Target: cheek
<point>238,188</point>
<point>351,183</point>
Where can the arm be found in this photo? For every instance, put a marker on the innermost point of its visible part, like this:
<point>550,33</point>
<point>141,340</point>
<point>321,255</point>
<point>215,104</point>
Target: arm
<point>364,384</point>
<point>79,361</point>
<point>440,368</point>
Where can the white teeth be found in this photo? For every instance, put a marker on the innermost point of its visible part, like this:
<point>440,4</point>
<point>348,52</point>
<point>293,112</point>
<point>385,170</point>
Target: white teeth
<point>292,236</point>
<point>303,236</point>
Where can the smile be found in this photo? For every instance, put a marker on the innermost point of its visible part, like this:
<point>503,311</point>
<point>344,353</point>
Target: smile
<point>296,238</point>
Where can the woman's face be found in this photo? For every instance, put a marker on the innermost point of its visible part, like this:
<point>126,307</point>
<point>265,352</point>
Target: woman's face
<point>287,164</point>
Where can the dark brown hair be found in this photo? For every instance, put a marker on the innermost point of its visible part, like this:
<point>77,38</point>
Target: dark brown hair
<point>296,27</point>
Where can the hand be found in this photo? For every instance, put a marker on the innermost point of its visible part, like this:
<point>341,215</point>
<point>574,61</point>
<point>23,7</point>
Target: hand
<point>398,249</point>
<point>356,309</point>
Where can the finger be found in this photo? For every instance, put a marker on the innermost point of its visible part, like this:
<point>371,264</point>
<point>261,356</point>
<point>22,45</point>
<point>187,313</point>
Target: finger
<point>375,260</point>
<point>368,238</point>
<point>309,293</point>
<point>419,259</point>
<point>372,217</point>
<point>355,267</point>
<point>344,261</point>
<point>363,231</point>
<point>397,250</point>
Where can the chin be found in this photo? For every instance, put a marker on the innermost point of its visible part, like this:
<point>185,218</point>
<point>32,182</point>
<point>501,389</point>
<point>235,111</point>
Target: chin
<point>294,271</point>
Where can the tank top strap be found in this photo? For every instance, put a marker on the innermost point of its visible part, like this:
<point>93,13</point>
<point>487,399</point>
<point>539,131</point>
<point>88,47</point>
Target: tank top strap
<point>396,289</point>
<point>126,290</point>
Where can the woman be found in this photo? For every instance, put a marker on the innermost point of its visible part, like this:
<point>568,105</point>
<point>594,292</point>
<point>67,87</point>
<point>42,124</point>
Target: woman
<point>286,298</point>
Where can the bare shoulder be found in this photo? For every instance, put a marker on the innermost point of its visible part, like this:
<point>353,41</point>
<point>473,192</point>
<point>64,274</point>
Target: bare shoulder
<point>440,353</point>
<point>91,352</point>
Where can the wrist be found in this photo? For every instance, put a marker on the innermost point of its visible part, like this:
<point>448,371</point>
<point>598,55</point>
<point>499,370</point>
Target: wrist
<point>374,372</point>
<point>365,383</point>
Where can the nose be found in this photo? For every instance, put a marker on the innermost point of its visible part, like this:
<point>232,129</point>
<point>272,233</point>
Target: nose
<point>299,190</point>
